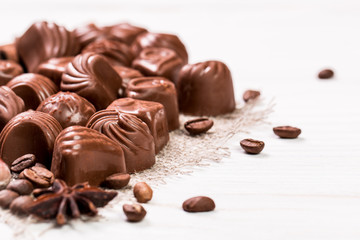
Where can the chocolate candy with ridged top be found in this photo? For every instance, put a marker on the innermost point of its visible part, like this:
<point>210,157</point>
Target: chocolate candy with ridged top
<point>32,88</point>
<point>29,132</point>
<point>10,105</point>
<point>127,74</point>
<point>68,108</point>
<point>157,89</point>
<point>91,76</point>
<point>131,133</point>
<point>84,155</point>
<point>152,113</point>
<point>205,89</point>
<point>54,68</point>
<point>8,70</point>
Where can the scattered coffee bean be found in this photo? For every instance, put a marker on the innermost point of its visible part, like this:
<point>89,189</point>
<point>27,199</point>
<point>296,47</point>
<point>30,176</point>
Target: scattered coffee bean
<point>23,162</point>
<point>250,95</point>
<point>40,165</point>
<point>142,192</point>
<point>39,177</point>
<point>199,204</point>
<point>21,205</point>
<point>287,131</point>
<point>6,197</point>
<point>252,146</point>
<point>21,186</point>
<point>116,181</point>
<point>134,212</point>
<point>326,74</point>
<point>198,126</point>
<point>5,175</point>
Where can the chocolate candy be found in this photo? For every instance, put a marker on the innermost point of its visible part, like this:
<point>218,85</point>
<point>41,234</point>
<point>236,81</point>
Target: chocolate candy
<point>152,113</point>
<point>162,62</point>
<point>9,52</point>
<point>54,68</point>
<point>32,88</point>
<point>43,41</point>
<point>10,105</point>
<point>127,74</point>
<point>29,132</point>
<point>85,155</point>
<point>205,88</point>
<point>148,39</point>
<point>124,32</point>
<point>159,90</point>
<point>87,34</point>
<point>68,108</point>
<point>92,77</point>
<point>131,133</point>
<point>116,53</point>
<point>8,70</point>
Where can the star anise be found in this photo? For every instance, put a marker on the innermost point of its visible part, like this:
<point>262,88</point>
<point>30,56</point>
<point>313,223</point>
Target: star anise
<point>60,201</point>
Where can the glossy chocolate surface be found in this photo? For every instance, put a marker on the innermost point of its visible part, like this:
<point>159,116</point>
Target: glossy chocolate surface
<point>68,108</point>
<point>87,34</point>
<point>124,32</point>
<point>131,133</point>
<point>54,68</point>
<point>159,90</point>
<point>29,132</point>
<point>10,105</point>
<point>92,77</point>
<point>9,52</point>
<point>8,70</point>
<point>85,155</point>
<point>127,74</point>
<point>205,89</point>
<point>152,113</point>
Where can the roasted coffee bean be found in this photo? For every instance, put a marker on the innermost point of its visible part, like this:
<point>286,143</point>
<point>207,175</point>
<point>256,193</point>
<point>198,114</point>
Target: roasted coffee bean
<point>252,146</point>
<point>6,197</point>
<point>39,176</point>
<point>287,131</point>
<point>199,204</point>
<point>250,94</point>
<point>142,192</point>
<point>198,126</point>
<point>134,212</point>
<point>116,181</point>
<point>326,74</point>
<point>22,163</point>
<point>21,186</point>
<point>21,205</point>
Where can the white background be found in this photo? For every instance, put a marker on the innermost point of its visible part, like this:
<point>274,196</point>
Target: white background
<point>306,188</point>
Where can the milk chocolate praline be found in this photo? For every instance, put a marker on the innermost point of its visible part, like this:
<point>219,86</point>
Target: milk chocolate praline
<point>8,70</point>
<point>205,88</point>
<point>54,68</point>
<point>10,105</point>
<point>127,74</point>
<point>131,133</point>
<point>157,89</point>
<point>9,52</point>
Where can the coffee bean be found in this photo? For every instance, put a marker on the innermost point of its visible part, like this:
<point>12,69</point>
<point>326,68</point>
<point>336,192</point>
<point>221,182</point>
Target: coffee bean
<point>252,146</point>
<point>21,205</point>
<point>250,95</point>
<point>23,162</point>
<point>5,175</point>
<point>134,212</point>
<point>326,74</point>
<point>6,197</point>
<point>116,181</point>
<point>39,177</point>
<point>142,192</point>
<point>287,131</point>
<point>21,186</point>
<point>199,204</point>
<point>198,126</point>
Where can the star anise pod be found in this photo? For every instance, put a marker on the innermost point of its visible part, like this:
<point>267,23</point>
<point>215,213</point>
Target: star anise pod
<point>60,201</point>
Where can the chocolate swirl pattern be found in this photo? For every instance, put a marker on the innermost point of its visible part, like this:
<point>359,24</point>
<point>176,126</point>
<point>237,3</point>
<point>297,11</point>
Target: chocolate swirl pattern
<point>8,70</point>
<point>92,77</point>
<point>131,133</point>
<point>10,105</point>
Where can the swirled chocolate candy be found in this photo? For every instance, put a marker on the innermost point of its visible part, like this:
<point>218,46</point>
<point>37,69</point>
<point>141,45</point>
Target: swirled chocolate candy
<point>68,108</point>
<point>131,133</point>
<point>116,53</point>
<point>85,155</point>
<point>148,39</point>
<point>8,70</point>
<point>162,62</point>
<point>127,74</point>
<point>10,105</point>
<point>92,77</point>
<point>152,113</point>
<point>32,88</point>
<point>159,90</point>
<point>43,41</point>
<point>54,68</point>
<point>87,34</point>
<point>205,88</point>
<point>29,132</point>
<point>124,32</point>
<point>9,52</point>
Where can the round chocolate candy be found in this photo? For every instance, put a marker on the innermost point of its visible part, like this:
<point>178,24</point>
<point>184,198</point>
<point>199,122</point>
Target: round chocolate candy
<point>205,89</point>
<point>8,70</point>
<point>131,133</point>
<point>54,68</point>
<point>10,105</point>
<point>68,108</point>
